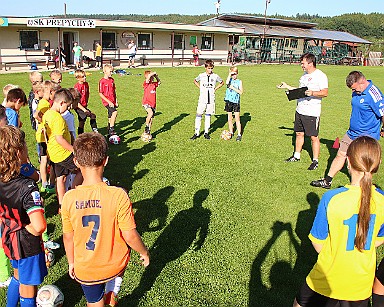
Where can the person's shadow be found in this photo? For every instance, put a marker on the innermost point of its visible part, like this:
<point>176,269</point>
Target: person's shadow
<point>189,228</point>
<point>332,154</point>
<point>152,213</point>
<point>220,122</point>
<point>168,125</point>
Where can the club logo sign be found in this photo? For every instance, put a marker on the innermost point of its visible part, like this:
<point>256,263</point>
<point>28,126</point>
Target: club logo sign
<point>3,22</point>
<point>62,23</point>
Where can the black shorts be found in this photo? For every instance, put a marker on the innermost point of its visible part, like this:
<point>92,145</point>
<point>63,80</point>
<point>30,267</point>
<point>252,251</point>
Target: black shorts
<point>380,272</point>
<point>309,298</point>
<point>98,59</point>
<point>81,115</point>
<point>307,124</point>
<point>111,110</point>
<point>42,148</point>
<point>231,107</point>
<point>65,167</point>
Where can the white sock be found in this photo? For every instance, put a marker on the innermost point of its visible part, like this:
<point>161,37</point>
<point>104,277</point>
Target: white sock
<point>114,285</point>
<point>197,124</point>
<point>207,122</point>
<point>296,155</point>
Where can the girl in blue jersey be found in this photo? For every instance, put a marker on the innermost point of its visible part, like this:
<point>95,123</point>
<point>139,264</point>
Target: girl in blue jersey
<point>232,100</point>
<point>349,224</point>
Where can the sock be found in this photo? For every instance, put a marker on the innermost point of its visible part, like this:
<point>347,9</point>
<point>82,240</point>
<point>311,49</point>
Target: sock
<point>207,122</point>
<point>197,124</point>
<point>317,160</point>
<point>13,293</point>
<point>328,178</point>
<point>109,127</point>
<point>4,266</point>
<point>377,300</point>
<point>27,302</point>
<point>296,155</point>
<point>93,124</point>
<point>80,130</point>
<point>114,285</point>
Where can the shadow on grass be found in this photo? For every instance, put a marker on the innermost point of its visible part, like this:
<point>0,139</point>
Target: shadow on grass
<point>285,281</point>
<point>245,119</point>
<point>189,228</point>
<point>167,126</point>
<point>151,214</point>
<point>220,121</point>
<point>332,154</point>
<point>72,290</point>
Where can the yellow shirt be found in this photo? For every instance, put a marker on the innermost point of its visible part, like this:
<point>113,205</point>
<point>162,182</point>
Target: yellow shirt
<point>97,214</point>
<point>43,106</point>
<point>98,50</point>
<point>55,125</point>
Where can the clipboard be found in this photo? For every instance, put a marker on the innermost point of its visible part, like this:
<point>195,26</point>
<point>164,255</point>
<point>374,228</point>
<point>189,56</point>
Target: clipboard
<point>296,93</point>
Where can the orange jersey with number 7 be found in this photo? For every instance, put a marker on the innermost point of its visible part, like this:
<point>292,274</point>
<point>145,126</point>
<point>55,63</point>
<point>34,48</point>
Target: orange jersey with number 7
<point>97,214</point>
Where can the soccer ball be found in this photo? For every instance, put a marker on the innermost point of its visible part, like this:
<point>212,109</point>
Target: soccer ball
<point>146,137</point>
<point>106,181</point>
<point>114,139</point>
<point>226,135</point>
<point>49,257</point>
<point>49,296</point>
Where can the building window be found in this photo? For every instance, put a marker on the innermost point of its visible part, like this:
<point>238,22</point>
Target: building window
<point>178,41</point>
<point>207,43</point>
<point>29,40</point>
<point>109,40</point>
<point>193,40</point>
<point>294,43</point>
<point>144,41</point>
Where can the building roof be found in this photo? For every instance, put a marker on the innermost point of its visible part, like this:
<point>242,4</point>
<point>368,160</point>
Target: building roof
<point>281,28</point>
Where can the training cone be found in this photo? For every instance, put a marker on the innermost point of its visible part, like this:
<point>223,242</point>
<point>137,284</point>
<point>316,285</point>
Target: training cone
<point>336,143</point>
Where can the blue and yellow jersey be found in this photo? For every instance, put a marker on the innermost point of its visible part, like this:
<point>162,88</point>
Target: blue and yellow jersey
<point>342,271</point>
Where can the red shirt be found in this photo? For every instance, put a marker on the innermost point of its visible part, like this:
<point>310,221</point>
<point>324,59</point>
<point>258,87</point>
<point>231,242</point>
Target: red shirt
<point>84,92</point>
<point>108,89</point>
<point>150,93</point>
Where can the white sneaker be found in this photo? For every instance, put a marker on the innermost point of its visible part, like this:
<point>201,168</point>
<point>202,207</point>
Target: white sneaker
<point>5,283</point>
<point>51,245</point>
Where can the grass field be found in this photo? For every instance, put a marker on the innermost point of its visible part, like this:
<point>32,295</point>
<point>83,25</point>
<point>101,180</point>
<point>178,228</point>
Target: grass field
<point>226,221</point>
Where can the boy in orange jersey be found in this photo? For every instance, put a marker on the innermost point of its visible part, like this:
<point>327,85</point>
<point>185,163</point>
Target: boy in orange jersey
<point>98,225</point>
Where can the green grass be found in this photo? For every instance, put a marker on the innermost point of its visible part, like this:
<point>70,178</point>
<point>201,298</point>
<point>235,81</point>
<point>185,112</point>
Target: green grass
<point>245,240</point>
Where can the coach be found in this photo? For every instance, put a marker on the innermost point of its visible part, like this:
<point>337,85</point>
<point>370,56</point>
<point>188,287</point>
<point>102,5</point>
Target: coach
<point>307,116</point>
<point>366,118</point>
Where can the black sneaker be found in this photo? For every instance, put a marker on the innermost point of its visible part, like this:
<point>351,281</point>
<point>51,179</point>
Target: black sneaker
<point>321,183</point>
<point>206,136</point>
<point>314,165</point>
<point>238,138</point>
<point>194,137</point>
<point>292,159</point>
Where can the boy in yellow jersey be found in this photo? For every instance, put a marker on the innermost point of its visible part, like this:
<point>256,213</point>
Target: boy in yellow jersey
<point>98,224</point>
<point>59,141</point>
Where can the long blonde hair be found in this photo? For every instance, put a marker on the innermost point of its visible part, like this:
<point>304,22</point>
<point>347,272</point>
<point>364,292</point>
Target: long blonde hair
<point>364,155</point>
<point>12,145</point>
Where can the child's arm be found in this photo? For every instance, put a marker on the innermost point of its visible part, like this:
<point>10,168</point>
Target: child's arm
<point>106,99</point>
<point>38,116</point>
<point>38,223</point>
<point>133,239</point>
<point>219,85</point>
<point>69,251</point>
<point>158,79</point>
<point>63,142</point>
<point>196,83</point>
<point>237,90</point>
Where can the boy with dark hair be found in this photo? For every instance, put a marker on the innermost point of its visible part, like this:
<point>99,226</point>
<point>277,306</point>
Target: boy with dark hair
<point>22,221</point>
<point>206,82</point>
<point>59,141</point>
<point>98,225</point>
<point>15,100</point>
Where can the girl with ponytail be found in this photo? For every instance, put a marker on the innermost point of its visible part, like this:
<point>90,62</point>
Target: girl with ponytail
<point>348,226</point>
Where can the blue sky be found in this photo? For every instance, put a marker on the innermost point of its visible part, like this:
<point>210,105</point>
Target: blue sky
<point>29,8</point>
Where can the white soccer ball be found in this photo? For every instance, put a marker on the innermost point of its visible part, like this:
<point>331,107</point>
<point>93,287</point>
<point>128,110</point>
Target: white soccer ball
<point>146,137</point>
<point>226,135</point>
<point>49,296</point>
<point>114,139</point>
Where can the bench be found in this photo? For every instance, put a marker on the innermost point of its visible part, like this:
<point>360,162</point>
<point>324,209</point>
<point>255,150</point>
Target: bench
<point>182,60</point>
<point>29,62</point>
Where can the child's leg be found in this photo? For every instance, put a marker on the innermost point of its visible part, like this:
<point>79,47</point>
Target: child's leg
<point>148,120</point>
<point>230,123</point>
<point>198,123</point>
<point>28,295</point>
<point>60,187</point>
<point>43,170</point>
<point>207,123</point>
<point>78,180</point>
<point>80,128</point>
<point>92,121</point>
<point>112,120</point>
<point>13,293</point>
<point>238,123</point>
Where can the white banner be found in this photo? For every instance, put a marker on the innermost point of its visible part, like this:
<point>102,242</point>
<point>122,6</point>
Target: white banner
<point>61,23</point>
